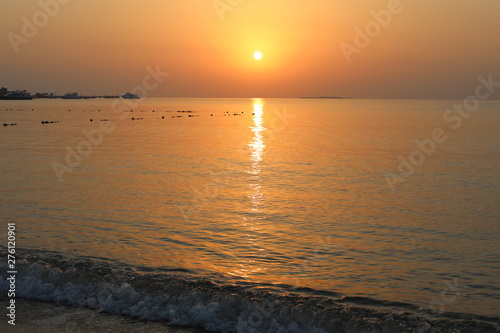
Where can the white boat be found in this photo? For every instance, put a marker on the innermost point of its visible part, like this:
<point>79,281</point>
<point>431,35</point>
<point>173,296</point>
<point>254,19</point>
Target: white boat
<point>130,96</point>
<point>16,95</point>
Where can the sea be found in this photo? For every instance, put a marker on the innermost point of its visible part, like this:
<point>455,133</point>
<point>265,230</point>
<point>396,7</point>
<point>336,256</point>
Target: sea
<point>250,215</point>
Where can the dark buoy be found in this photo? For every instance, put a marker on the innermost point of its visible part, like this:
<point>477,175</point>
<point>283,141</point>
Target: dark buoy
<point>91,120</point>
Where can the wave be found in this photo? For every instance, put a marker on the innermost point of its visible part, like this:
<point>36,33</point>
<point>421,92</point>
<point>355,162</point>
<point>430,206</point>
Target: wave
<point>186,298</point>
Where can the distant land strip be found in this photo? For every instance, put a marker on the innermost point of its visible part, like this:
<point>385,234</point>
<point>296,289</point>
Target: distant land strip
<point>326,97</point>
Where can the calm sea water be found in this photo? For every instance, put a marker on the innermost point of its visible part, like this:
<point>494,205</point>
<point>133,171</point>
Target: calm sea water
<point>316,198</point>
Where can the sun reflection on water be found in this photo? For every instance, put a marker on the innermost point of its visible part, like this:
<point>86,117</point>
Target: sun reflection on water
<point>257,146</point>
<point>251,222</point>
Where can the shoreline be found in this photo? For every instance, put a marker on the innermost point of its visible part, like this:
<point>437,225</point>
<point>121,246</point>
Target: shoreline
<point>34,316</point>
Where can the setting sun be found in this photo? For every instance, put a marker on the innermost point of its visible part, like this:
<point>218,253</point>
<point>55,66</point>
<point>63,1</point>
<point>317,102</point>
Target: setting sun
<point>257,55</point>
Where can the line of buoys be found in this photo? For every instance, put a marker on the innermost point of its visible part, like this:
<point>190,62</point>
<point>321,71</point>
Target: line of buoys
<point>226,113</point>
<point>191,115</point>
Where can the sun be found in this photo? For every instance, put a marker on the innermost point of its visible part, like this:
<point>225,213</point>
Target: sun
<point>257,55</point>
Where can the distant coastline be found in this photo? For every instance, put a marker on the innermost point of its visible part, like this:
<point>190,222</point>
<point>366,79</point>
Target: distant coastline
<point>325,97</point>
<point>6,94</point>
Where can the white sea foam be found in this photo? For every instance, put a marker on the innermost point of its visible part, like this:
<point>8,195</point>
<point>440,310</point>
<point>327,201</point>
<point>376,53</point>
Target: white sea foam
<point>215,307</point>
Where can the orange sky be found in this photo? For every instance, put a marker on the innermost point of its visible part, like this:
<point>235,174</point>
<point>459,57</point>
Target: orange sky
<point>429,49</point>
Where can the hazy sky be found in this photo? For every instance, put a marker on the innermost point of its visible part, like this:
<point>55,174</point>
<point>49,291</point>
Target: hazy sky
<point>422,49</point>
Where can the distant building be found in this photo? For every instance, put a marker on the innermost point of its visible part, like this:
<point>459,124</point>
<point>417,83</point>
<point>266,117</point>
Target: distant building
<point>3,91</point>
<point>71,96</point>
<point>44,95</point>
